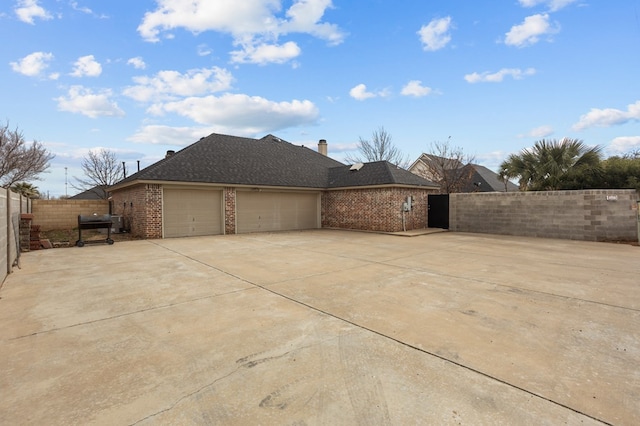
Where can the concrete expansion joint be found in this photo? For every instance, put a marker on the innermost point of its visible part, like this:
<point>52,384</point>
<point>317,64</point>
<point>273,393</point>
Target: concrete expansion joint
<point>389,337</point>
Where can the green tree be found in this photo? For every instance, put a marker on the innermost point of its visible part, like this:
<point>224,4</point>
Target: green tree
<point>26,189</point>
<point>379,148</point>
<point>621,172</point>
<point>551,165</point>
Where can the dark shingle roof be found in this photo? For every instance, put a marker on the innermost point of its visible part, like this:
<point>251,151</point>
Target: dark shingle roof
<point>95,193</point>
<point>268,161</point>
<point>376,173</point>
<point>235,160</point>
<point>488,181</point>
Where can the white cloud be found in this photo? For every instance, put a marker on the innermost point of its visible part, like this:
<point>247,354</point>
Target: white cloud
<point>137,63</point>
<point>529,32</point>
<point>435,35</point>
<point>415,88</point>
<point>608,117</point>
<point>81,100</point>
<point>304,17</point>
<point>171,84</point>
<point>553,5</point>
<point>27,10</point>
<point>497,77</point>
<point>86,66</point>
<point>83,9</point>
<point>539,132</point>
<point>624,144</point>
<point>167,135</point>
<point>491,160</point>
<point>253,24</point>
<point>33,65</point>
<point>266,53</point>
<point>234,113</point>
<point>204,50</point>
<point>360,93</point>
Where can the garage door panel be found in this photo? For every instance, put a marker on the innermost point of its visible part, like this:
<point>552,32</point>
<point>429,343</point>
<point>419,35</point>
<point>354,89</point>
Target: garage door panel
<point>192,212</point>
<point>276,211</point>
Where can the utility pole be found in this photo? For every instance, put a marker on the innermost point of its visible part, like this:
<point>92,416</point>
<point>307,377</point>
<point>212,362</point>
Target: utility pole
<point>65,183</point>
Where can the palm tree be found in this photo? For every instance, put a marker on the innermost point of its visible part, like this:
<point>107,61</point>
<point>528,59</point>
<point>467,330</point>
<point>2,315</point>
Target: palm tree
<point>26,189</point>
<point>551,165</point>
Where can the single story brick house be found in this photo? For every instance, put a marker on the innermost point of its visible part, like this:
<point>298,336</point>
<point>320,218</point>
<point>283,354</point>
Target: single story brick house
<point>226,185</point>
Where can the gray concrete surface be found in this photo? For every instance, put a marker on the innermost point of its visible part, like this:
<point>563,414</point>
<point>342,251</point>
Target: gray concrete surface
<point>324,327</point>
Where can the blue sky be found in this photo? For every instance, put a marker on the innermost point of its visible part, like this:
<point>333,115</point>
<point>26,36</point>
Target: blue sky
<point>142,77</point>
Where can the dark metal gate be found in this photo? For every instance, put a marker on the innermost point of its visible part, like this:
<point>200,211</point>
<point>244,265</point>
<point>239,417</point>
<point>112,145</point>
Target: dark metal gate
<point>438,211</point>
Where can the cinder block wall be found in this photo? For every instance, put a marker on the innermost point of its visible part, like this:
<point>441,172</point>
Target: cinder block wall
<point>63,214</point>
<point>591,215</point>
<point>374,209</point>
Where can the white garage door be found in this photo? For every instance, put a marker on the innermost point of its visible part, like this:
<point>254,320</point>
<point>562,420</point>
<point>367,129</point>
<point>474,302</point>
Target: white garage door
<point>276,211</point>
<point>191,212</point>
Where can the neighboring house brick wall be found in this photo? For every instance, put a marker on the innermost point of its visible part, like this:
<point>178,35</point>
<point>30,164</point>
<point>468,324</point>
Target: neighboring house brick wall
<point>63,214</point>
<point>374,209</point>
<point>229,211</point>
<point>141,208</point>
<point>576,215</point>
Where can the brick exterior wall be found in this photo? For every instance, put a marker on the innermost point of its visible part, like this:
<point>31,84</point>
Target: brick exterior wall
<point>141,209</point>
<point>591,215</point>
<point>63,214</point>
<point>229,211</point>
<point>374,209</point>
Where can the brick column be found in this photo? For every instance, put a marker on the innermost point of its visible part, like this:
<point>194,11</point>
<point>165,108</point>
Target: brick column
<point>229,211</point>
<point>25,231</point>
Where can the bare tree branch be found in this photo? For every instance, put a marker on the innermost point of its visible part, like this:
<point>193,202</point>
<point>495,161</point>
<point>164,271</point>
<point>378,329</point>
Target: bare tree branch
<point>448,166</point>
<point>20,161</point>
<point>379,148</point>
<point>101,169</point>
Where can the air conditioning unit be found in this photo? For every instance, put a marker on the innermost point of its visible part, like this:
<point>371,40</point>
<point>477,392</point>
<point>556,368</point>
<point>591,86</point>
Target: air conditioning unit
<point>118,224</point>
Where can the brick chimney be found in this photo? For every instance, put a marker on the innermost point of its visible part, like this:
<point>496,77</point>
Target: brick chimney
<point>322,147</point>
<point>169,153</point>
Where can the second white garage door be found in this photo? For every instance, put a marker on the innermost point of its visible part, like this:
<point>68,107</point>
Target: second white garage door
<point>191,212</point>
<point>276,211</point>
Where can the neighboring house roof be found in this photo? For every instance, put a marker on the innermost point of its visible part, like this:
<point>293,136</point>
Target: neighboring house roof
<point>269,161</point>
<point>485,180</point>
<point>482,179</point>
<point>95,193</point>
<point>449,163</point>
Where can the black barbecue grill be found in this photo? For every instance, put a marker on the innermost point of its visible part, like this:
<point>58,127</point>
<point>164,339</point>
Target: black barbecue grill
<point>94,222</point>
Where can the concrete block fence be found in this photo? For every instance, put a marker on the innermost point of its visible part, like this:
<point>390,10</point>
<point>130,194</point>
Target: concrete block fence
<point>63,214</point>
<point>590,215</point>
<point>11,206</point>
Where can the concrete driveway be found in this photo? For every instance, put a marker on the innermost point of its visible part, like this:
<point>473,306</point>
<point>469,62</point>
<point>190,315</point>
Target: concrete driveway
<point>324,327</point>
